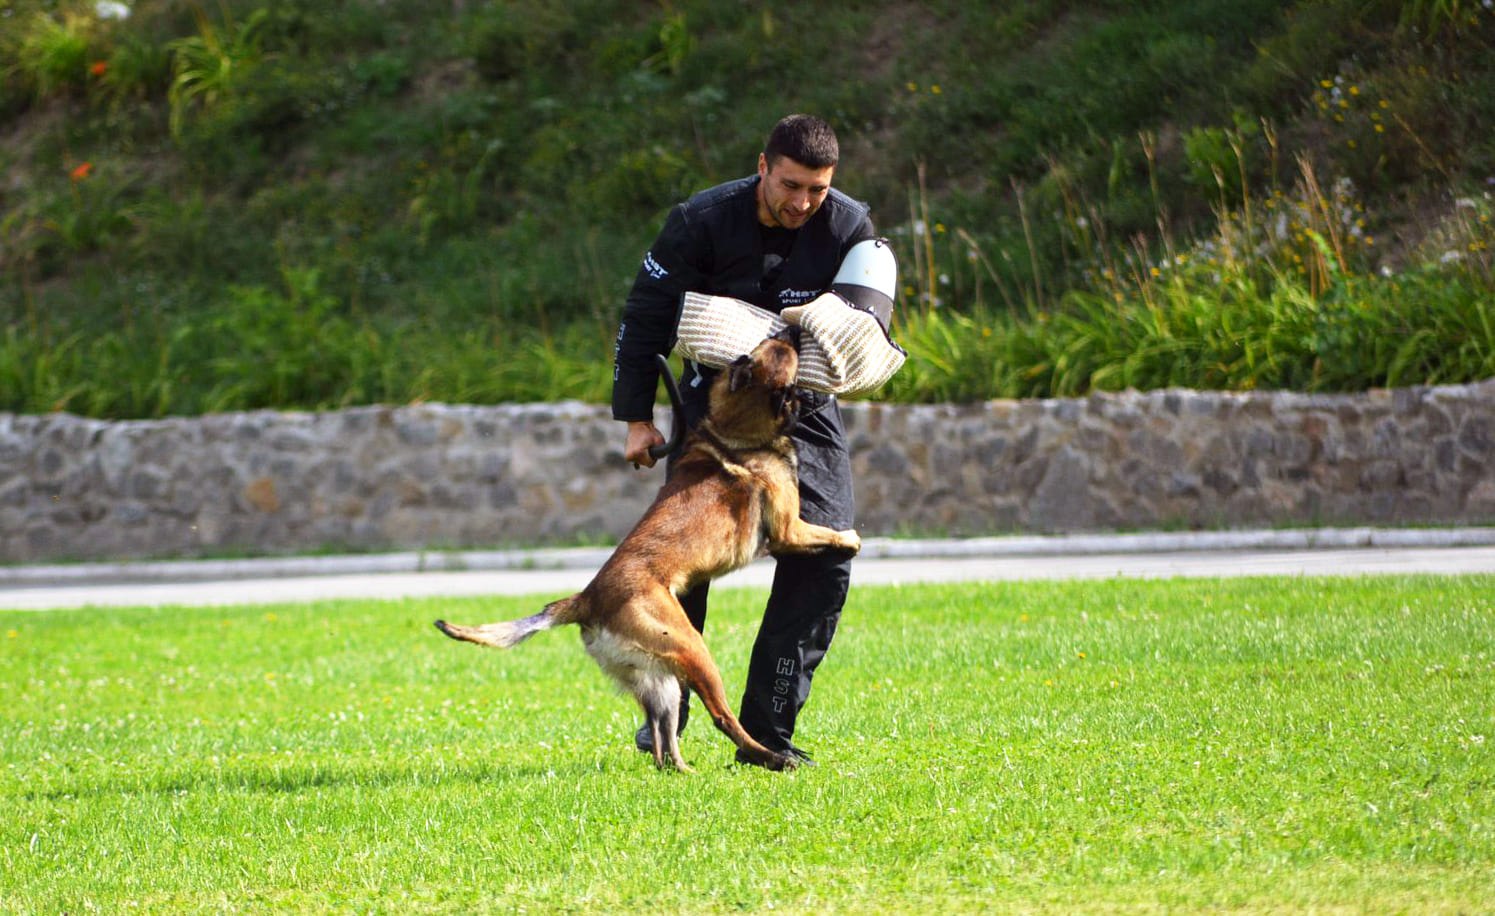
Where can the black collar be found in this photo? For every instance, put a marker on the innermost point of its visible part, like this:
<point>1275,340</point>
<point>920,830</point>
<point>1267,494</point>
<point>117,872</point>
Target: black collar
<point>716,442</point>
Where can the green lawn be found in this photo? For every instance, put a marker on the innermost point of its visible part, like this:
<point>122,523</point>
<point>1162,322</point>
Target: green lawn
<point>1253,744</point>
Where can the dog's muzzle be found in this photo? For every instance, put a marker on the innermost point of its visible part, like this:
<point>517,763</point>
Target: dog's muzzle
<point>790,334</point>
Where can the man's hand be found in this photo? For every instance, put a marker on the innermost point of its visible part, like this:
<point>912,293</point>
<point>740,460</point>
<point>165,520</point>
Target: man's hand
<point>641,435</point>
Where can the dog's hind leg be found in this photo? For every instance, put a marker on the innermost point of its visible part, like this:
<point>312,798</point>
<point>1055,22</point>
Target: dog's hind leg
<point>659,695</point>
<point>658,627</point>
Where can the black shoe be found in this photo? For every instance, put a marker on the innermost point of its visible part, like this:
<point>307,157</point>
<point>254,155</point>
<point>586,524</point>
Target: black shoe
<point>800,757</point>
<point>643,739</point>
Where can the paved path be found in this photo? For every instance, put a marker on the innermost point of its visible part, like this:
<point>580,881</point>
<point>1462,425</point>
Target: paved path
<point>1321,552</point>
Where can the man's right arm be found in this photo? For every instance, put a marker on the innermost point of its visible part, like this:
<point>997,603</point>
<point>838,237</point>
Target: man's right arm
<point>648,329</point>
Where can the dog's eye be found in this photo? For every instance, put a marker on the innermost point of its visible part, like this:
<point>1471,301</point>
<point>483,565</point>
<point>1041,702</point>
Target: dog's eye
<point>740,374</point>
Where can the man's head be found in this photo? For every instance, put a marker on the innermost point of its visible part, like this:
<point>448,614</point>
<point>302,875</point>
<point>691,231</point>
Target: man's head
<point>795,170</point>
<point>804,138</point>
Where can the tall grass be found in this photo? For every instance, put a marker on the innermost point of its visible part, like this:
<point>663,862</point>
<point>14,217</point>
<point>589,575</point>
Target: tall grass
<point>295,348</point>
<point>1281,295</point>
<point>265,348</point>
<point>1417,329</point>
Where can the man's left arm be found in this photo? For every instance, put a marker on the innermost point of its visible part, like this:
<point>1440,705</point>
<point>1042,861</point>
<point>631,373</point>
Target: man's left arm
<point>850,323</point>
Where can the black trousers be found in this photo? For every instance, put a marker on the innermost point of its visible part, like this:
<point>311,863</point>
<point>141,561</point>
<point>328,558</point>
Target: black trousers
<point>808,592</point>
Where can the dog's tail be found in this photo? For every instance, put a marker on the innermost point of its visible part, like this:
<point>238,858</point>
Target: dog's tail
<point>512,632</point>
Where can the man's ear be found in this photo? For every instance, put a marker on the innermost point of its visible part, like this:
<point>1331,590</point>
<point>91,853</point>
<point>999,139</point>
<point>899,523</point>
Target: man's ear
<point>740,373</point>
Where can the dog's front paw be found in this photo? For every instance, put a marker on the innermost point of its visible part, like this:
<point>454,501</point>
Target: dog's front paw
<point>781,763</point>
<point>849,541</point>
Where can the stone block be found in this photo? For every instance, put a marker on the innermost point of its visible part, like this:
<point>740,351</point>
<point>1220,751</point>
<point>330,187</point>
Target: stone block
<point>410,477</point>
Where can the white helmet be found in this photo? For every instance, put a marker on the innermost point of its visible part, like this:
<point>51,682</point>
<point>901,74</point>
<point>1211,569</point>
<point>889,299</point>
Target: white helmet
<point>868,279</point>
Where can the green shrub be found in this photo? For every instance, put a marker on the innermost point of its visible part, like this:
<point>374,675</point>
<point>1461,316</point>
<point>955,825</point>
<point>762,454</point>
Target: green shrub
<point>512,40</point>
<point>213,67</point>
<point>135,70</point>
<point>53,54</point>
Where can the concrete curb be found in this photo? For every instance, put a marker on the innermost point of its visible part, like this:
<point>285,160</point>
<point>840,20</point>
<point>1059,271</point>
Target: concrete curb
<point>873,548</point>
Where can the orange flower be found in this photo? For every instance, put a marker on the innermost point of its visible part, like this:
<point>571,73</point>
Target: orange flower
<point>81,171</point>
<point>98,68</point>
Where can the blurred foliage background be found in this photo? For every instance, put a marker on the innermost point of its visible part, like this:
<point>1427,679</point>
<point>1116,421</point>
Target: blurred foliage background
<point>233,204</point>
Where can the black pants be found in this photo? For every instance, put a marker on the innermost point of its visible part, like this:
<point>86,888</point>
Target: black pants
<point>808,593</point>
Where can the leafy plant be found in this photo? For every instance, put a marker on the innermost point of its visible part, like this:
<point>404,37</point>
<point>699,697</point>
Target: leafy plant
<point>53,53</point>
<point>212,67</point>
<point>134,71</point>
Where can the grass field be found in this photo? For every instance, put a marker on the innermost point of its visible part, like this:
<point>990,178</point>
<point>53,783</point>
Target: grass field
<point>1252,744</point>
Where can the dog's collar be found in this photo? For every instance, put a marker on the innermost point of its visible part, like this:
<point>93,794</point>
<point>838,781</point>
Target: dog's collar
<point>731,455</point>
<point>717,442</point>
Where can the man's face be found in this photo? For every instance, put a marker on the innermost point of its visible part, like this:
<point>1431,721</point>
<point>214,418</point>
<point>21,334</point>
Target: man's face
<point>790,193</point>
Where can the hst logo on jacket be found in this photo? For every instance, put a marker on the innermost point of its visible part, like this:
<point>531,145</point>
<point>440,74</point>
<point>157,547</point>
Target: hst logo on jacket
<point>790,297</point>
<point>653,268</point>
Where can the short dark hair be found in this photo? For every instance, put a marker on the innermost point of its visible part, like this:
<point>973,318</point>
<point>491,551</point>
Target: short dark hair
<point>804,138</point>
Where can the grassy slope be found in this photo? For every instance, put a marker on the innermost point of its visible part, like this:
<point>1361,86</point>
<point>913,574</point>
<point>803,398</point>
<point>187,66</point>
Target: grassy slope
<point>379,203</point>
<point>1259,744</point>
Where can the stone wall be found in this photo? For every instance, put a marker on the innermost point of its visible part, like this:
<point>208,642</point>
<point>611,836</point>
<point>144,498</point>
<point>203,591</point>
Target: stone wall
<point>434,476</point>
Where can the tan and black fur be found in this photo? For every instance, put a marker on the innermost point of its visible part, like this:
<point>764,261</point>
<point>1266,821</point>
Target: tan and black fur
<point>732,493</point>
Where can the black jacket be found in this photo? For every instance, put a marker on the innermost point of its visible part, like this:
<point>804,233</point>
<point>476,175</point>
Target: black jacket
<point>712,244</point>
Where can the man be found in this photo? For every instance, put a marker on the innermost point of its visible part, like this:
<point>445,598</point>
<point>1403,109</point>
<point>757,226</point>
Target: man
<point>774,239</point>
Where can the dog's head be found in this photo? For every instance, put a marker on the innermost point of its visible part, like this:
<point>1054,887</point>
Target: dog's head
<point>755,396</point>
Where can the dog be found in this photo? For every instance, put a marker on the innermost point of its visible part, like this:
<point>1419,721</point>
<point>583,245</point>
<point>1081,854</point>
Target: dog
<point>732,493</point>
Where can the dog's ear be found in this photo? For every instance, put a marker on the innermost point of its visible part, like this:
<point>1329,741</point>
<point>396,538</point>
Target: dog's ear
<point>740,373</point>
